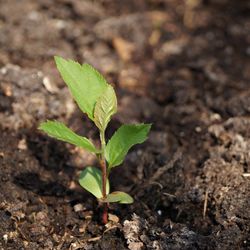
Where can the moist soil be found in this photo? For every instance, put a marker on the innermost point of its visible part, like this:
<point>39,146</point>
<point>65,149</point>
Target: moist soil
<point>183,66</point>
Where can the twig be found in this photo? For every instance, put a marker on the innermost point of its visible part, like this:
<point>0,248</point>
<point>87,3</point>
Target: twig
<point>246,175</point>
<point>205,204</point>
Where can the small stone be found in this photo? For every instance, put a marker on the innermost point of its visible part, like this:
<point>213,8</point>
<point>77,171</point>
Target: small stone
<point>78,207</point>
<point>25,243</point>
<point>215,117</point>
<point>7,90</point>
<point>72,185</point>
<point>73,245</point>
<point>22,144</point>
<point>4,71</point>
<point>159,212</point>
<point>49,85</point>
<point>198,129</point>
<point>5,238</point>
<point>113,218</point>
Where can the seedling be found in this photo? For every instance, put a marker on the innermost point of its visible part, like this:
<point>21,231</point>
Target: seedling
<point>96,98</point>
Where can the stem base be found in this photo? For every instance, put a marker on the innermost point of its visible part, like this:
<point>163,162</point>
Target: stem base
<point>105,214</point>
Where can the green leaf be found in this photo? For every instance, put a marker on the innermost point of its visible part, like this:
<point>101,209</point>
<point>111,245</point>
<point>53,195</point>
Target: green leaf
<point>119,197</point>
<point>59,131</point>
<point>85,83</point>
<point>123,139</point>
<point>91,180</point>
<point>105,107</point>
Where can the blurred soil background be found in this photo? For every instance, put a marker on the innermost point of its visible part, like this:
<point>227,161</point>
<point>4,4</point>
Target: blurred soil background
<point>183,66</point>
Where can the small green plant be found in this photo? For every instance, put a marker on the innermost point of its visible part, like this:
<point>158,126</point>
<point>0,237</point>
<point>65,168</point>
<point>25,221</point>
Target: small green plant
<point>97,99</point>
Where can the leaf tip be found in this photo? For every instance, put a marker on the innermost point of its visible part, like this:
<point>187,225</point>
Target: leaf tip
<point>41,126</point>
<point>148,125</point>
<point>44,125</point>
<point>58,59</point>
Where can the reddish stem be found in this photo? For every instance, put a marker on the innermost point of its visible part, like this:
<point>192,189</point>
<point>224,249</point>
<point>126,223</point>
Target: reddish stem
<point>105,213</point>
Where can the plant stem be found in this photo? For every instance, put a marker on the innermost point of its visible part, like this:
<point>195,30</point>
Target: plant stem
<point>104,177</point>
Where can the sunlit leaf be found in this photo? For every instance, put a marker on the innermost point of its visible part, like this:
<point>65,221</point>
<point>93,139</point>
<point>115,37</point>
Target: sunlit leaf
<point>123,139</point>
<point>85,83</point>
<point>105,107</point>
<point>91,180</point>
<point>59,131</point>
<point>118,196</point>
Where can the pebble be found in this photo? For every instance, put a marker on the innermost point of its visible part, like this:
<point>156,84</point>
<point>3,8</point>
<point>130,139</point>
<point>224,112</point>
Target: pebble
<point>5,237</point>
<point>78,207</point>
<point>22,144</point>
<point>113,218</point>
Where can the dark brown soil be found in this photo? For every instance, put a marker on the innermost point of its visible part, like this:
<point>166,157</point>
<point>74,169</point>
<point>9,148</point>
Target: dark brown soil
<point>183,66</point>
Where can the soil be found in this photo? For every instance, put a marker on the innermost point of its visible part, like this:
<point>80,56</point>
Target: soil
<point>183,66</point>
